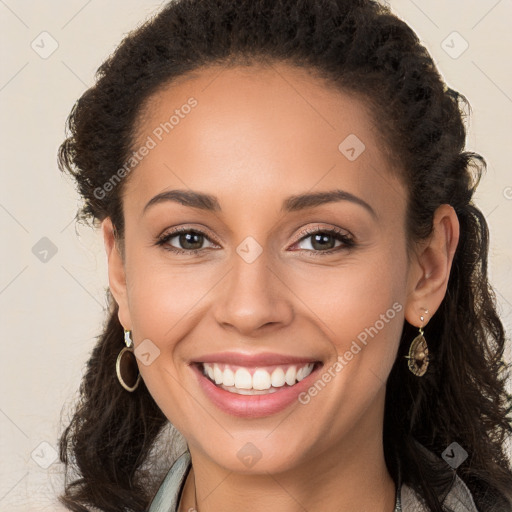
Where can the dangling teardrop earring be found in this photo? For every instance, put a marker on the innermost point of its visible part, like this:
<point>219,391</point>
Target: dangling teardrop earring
<point>418,358</point>
<point>126,365</point>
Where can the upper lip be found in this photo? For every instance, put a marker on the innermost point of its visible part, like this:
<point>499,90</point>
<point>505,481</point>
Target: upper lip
<point>261,359</point>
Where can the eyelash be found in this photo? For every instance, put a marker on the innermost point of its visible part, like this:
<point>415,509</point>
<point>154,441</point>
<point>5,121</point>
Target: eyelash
<point>347,241</point>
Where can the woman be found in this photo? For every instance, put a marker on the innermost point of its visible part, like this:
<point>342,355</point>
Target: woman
<point>298,274</point>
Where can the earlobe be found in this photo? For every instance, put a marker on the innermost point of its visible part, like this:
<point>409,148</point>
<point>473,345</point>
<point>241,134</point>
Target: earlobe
<point>116,271</point>
<point>430,271</point>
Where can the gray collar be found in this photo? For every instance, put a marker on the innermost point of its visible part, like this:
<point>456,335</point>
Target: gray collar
<point>457,499</point>
<point>168,495</point>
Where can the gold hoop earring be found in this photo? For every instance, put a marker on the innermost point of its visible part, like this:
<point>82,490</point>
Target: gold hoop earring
<point>418,357</point>
<point>126,365</point>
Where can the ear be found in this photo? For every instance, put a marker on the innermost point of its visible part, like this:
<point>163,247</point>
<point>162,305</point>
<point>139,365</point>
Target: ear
<point>429,272</point>
<point>116,272</point>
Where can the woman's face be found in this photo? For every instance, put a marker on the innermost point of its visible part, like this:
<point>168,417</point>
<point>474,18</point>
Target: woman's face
<point>254,141</point>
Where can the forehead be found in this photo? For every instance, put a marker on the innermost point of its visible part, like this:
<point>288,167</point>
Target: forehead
<point>257,96</point>
<point>258,130</point>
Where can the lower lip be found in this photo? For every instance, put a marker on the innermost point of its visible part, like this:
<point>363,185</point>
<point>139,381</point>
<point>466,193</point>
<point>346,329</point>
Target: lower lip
<point>253,406</point>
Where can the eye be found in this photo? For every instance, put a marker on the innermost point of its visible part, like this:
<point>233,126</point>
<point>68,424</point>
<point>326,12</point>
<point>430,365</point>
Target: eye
<point>190,241</point>
<point>321,241</point>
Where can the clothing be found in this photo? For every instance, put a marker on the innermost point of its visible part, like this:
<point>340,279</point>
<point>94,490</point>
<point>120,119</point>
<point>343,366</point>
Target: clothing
<point>457,499</point>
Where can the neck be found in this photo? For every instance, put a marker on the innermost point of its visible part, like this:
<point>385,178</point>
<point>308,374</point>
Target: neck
<point>350,475</point>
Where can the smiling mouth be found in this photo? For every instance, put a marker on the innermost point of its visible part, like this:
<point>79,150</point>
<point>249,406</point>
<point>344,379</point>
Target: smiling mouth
<point>256,380</point>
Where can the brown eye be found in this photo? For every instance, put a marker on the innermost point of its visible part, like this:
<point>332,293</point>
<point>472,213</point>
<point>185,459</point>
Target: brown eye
<point>324,241</point>
<point>191,240</point>
<point>321,241</point>
<point>187,241</point>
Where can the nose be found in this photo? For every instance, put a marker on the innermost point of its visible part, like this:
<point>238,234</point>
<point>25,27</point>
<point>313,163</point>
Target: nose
<point>254,298</point>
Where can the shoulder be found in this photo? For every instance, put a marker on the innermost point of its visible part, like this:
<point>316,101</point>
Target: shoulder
<point>453,493</point>
<point>167,497</point>
<point>457,499</point>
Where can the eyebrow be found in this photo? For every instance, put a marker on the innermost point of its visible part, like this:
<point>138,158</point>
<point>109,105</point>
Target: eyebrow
<point>207,202</point>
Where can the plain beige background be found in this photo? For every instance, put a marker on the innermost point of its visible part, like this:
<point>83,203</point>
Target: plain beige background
<point>51,303</point>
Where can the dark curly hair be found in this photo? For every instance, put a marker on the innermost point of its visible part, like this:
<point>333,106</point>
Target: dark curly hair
<point>361,48</point>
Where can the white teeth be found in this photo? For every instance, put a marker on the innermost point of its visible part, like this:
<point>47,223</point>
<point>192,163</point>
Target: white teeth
<point>243,379</point>
<point>290,376</point>
<point>228,378</point>
<point>278,378</point>
<point>260,380</point>
<point>232,389</point>
<point>217,374</point>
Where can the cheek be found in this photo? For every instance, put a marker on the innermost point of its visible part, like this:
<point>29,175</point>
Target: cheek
<point>359,307</point>
<point>355,307</point>
<point>342,300</point>
<point>163,293</point>
<point>167,301</point>
<point>349,298</point>
<point>164,306</point>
